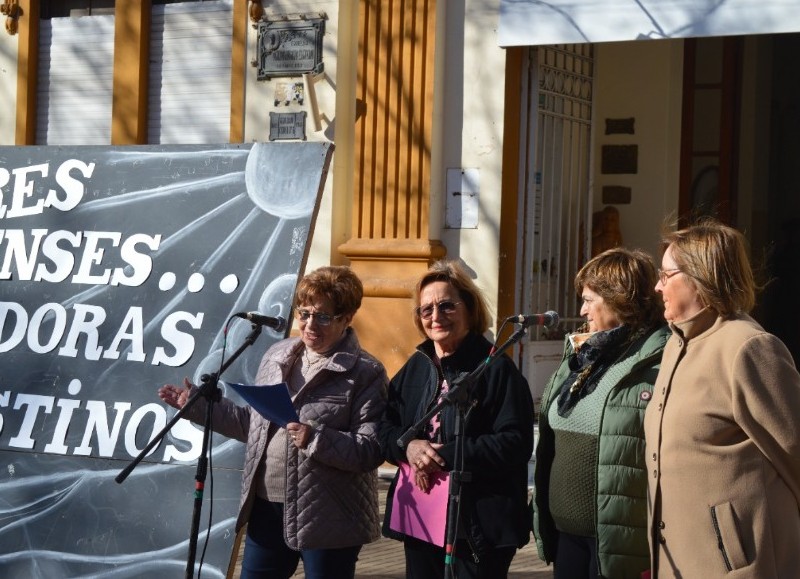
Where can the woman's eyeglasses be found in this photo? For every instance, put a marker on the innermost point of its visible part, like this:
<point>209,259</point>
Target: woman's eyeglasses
<point>665,274</point>
<point>445,307</point>
<point>320,318</point>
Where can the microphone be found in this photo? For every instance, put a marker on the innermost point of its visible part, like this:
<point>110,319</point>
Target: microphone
<point>278,324</point>
<point>547,319</point>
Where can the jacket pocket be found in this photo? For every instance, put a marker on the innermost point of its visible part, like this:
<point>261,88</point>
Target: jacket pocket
<point>723,518</point>
<point>329,408</point>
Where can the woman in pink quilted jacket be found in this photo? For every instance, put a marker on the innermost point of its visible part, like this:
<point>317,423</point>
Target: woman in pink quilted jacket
<point>309,490</point>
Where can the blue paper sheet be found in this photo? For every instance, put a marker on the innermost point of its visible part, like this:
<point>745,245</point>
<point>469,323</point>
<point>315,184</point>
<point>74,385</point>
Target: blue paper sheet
<point>272,401</point>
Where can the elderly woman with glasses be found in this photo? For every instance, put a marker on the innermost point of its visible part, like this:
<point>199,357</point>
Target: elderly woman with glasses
<point>723,428</point>
<point>496,437</point>
<point>309,490</point>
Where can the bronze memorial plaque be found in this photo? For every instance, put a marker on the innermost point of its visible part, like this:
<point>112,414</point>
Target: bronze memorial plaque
<point>290,47</point>
<point>285,126</point>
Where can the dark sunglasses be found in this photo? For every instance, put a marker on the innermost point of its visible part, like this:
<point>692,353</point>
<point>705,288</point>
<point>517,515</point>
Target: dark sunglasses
<point>445,307</point>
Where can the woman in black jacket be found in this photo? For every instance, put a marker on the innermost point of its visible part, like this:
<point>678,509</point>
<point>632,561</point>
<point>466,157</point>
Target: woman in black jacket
<point>497,437</point>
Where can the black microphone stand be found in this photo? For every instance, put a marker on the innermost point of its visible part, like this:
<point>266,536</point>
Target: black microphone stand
<point>460,395</point>
<point>208,390</point>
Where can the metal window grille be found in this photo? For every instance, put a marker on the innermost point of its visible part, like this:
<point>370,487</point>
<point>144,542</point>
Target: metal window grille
<point>557,202</point>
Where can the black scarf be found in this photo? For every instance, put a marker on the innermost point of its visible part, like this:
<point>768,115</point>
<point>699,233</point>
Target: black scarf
<point>588,363</point>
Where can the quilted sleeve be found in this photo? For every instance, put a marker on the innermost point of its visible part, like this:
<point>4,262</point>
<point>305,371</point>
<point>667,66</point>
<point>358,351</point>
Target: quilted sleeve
<point>356,449</point>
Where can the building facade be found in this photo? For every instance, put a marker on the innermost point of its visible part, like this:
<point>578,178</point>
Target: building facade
<point>500,133</point>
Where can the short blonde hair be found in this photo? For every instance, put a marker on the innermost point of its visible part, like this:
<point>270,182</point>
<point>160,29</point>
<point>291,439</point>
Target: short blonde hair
<point>715,257</point>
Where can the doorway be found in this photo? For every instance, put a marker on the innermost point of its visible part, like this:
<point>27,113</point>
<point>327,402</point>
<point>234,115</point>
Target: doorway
<point>739,149</point>
<point>775,240</point>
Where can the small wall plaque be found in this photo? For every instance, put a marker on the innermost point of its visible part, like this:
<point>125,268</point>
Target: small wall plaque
<point>616,195</point>
<point>619,159</point>
<point>290,47</point>
<point>287,126</point>
<point>620,126</point>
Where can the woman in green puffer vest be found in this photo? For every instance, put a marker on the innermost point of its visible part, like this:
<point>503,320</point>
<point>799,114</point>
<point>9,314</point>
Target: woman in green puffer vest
<point>590,496</point>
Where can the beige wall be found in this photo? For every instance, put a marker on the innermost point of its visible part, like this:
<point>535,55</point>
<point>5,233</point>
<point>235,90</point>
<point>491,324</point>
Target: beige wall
<point>8,85</point>
<point>641,80</point>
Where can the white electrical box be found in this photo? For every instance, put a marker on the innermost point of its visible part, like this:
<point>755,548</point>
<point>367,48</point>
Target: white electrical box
<point>461,206</point>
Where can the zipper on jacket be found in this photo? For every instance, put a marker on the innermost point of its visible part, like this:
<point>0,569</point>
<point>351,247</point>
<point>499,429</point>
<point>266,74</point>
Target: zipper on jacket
<point>472,548</point>
<point>720,544</point>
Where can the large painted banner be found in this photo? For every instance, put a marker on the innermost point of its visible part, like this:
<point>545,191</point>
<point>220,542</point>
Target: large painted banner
<point>120,269</point>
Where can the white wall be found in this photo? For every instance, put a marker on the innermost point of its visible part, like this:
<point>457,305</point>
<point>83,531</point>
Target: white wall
<point>642,80</point>
<point>8,84</point>
<point>328,232</point>
<point>473,102</point>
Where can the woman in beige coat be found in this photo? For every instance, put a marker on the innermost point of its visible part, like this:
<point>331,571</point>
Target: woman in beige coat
<point>723,429</point>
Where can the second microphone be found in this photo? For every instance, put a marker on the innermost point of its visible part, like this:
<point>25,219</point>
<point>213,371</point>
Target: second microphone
<point>547,319</point>
<point>278,323</point>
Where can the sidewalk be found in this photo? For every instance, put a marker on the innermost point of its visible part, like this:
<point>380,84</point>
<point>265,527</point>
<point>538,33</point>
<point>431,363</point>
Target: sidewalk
<point>383,559</point>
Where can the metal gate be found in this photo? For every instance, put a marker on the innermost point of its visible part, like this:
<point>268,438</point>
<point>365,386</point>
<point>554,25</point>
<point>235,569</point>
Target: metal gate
<point>556,205</point>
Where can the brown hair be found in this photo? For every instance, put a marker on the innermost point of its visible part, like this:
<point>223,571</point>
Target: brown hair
<point>453,273</point>
<point>337,283</point>
<point>626,280</point>
<point>714,256</point>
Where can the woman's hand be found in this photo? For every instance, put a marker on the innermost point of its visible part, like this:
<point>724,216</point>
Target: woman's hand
<point>174,395</point>
<point>422,455</point>
<point>424,460</point>
<point>299,433</point>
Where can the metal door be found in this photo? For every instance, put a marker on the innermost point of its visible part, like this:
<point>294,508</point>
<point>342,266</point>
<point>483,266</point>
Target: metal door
<point>556,205</point>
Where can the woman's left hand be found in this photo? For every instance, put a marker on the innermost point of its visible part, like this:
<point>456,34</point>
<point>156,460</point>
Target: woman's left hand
<point>299,433</point>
